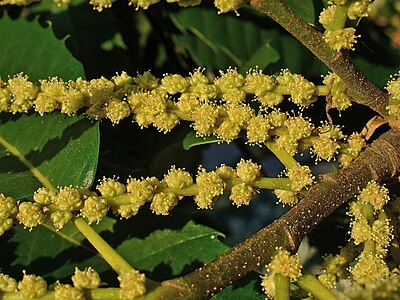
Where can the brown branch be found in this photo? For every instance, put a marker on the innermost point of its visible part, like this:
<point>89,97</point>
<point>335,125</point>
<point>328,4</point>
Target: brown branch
<point>379,162</point>
<point>363,91</point>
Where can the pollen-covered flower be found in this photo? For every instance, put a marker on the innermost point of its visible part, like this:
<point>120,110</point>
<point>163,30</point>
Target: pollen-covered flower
<point>8,207</point>
<point>163,202</point>
<point>258,129</point>
<point>116,110</point>
<point>86,279</point>
<point>132,285</point>
<point>369,269</point>
<point>286,264</point>
<point>205,118</point>
<point>248,171</point>
<point>109,187</point>
<point>67,292</point>
<point>258,83</point>
<point>30,214</point>
<point>177,178</point>
<point>7,283</point>
<point>68,199</point>
<point>210,186</point>
<point>32,286</point>
<point>94,209</point>
<point>140,191</point>
<point>23,93</point>
<point>241,194</point>
<point>224,6</point>
<point>286,197</point>
<point>374,194</point>
<point>60,218</point>
<point>300,177</point>
<point>343,38</point>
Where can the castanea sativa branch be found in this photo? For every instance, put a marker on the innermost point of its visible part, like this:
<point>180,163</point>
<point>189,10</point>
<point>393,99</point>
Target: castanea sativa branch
<point>379,162</point>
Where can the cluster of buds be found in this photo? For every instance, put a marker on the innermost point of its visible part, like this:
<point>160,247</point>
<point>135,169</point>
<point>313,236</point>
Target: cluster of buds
<point>223,6</point>
<point>282,264</point>
<point>393,88</point>
<point>334,19</point>
<point>371,227</point>
<point>132,285</point>
<point>219,107</point>
<point>59,207</point>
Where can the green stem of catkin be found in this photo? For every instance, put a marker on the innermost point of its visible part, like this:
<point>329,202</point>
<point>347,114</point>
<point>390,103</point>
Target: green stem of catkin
<point>312,285</point>
<point>116,262</point>
<point>282,287</point>
<point>285,158</point>
<point>339,21</point>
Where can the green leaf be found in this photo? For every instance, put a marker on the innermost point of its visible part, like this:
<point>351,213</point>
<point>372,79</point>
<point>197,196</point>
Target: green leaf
<point>191,140</point>
<point>219,41</point>
<point>49,253</point>
<point>305,9</point>
<point>63,150</point>
<point>262,57</point>
<point>27,47</point>
<point>168,253</point>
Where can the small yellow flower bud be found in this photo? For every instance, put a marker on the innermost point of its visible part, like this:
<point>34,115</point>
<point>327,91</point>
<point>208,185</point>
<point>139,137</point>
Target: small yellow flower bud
<point>210,186</point>
<point>382,232</point>
<point>140,190</point>
<point>205,118</point>
<point>8,207</point>
<point>86,279</point>
<point>109,187</point>
<point>178,178</point>
<point>248,171</point>
<point>60,218</point>
<point>32,286</point>
<point>286,197</point>
<point>257,130</point>
<point>239,114</point>
<point>68,199</point>
<point>300,177</point>
<point>146,81</point>
<point>68,292</point>
<point>174,84</point>
<point>94,209</point>
<point>227,131</point>
<point>339,39</point>
<point>44,196</point>
<point>327,16</point>
<point>299,127</point>
<point>226,172</point>
<point>242,194</point>
<point>258,83</point>
<point>328,279</point>
<point>116,110</point>
<point>369,269</point>
<point>30,214</point>
<point>7,283</point>
<point>165,122</point>
<point>99,5</point>
<point>163,202</point>
<point>360,231</point>
<point>132,285</point>
<point>374,194</point>
<point>225,6</point>
<point>23,93</point>
<point>286,264</point>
